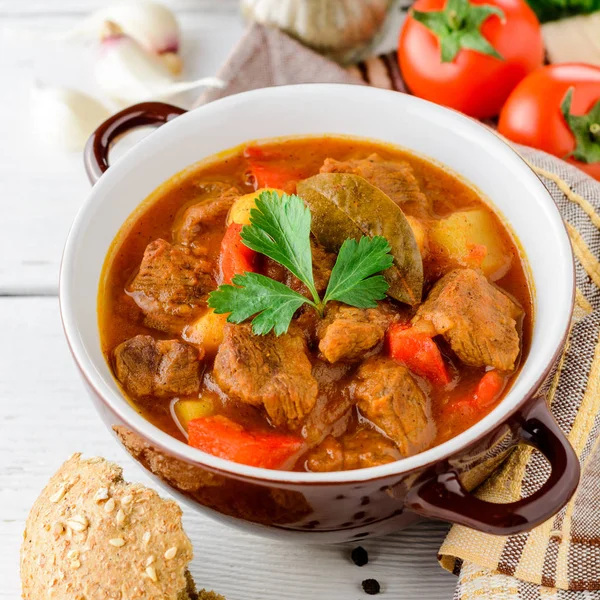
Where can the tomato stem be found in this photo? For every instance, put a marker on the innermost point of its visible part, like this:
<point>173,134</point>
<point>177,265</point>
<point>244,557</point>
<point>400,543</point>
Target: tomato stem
<point>585,130</point>
<point>453,19</point>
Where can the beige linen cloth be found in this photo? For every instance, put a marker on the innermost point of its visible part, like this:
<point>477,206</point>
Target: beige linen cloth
<point>561,558</point>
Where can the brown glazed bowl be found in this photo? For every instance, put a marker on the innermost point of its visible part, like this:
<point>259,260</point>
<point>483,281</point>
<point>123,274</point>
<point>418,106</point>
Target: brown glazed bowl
<point>349,505</point>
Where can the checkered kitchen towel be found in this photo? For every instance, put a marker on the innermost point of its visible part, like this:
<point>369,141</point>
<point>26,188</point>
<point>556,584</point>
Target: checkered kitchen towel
<point>561,558</point>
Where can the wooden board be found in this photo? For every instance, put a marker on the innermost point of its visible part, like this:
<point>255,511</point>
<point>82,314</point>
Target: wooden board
<point>42,189</point>
<point>45,416</point>
<point>44,412</point>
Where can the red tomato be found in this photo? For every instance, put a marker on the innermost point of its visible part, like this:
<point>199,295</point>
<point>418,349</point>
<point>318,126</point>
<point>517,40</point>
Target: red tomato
<point>473,82</point>
<point>532,114</point>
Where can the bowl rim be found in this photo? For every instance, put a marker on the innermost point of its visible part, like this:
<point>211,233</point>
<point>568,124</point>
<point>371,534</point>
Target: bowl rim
<point>152,434</point>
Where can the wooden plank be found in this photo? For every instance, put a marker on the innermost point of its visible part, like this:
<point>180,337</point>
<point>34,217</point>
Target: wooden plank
<point>40,188</point>
<point>44,8</point>
<point>46,416</point>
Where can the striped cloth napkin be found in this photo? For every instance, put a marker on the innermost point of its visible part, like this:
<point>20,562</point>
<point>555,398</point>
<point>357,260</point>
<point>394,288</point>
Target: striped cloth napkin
<point>561,558</point>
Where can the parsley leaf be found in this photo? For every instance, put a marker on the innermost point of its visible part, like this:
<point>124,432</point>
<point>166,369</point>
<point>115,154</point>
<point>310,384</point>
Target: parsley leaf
<point>280,229</point>
<point>353,280</point>
<point>252,294</point>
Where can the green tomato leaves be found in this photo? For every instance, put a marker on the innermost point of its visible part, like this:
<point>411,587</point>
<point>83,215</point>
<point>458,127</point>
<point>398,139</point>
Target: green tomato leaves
<point>585,129</point>
<point>458,26</point>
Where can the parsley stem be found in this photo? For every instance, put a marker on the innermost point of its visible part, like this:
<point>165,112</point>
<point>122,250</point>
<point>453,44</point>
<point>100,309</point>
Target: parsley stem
<point>317,300</point>
<point>317,304</point>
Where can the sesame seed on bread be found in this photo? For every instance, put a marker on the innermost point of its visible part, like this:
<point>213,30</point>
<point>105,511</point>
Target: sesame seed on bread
<point>92,535</point>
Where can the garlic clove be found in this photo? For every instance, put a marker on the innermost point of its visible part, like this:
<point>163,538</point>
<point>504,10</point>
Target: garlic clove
<point>127,73</point>
<point>124,71</point>
<point>173,61</point>
<point>151,24</point>
<point>64,118</point>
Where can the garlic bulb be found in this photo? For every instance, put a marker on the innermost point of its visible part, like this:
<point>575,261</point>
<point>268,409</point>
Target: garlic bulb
<point>126,73</point>
<point>575,39</point>
<point>339,28</point>
<point>65,118</point>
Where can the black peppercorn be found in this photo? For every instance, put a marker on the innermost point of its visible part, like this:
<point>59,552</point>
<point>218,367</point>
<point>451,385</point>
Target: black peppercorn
<point>371,587</point>
<point>360,556</point>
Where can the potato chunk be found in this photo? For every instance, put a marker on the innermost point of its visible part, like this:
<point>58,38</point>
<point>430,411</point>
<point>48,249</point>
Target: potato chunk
<point>206,331</point>
<point>420,232</point>
<point>470,238</point>
<point>240,211</point>
<point>188,410</point>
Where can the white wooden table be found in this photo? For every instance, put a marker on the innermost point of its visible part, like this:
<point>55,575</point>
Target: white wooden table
<point>44,412</point>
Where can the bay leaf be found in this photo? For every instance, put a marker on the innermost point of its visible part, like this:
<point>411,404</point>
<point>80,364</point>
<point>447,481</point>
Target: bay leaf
<point>347,206</point>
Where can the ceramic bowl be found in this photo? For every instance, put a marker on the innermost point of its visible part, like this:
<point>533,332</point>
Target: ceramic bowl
<point>339,506</point>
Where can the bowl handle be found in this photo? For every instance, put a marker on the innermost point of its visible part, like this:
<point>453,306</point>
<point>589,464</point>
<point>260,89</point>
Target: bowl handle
<point>444,497</point>
<point>95,155</point>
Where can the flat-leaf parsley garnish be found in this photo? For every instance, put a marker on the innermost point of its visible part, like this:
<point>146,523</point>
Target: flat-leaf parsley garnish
<point>280,229</point>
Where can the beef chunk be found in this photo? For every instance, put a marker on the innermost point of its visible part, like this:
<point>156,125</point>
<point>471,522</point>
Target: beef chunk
<point>161,368</point>
<point>347,333</point>
<point>327,456</point>
<point>323,262</point>
<point>396,179</point>
<point>218,198</point>
<point>476,318</point>
<point>307,322</point>
<point>267,370</point>
<point>388,396</point>
<point>357,450</point>
<point>334,407</point>
<point>171,285</point>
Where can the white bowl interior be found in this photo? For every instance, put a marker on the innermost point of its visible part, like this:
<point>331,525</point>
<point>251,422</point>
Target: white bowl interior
<point>458,142</point>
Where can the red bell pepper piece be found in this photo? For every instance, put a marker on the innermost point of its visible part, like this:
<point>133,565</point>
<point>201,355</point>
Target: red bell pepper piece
<point>488,390</point>
<point>269,175</point>
<point>261,153</point>
<point>236,258</point>
<point>269,169</point>
<point>221,437</point>
<point>418,352</point>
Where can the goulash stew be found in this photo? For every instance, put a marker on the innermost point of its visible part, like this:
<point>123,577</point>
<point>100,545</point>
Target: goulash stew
<point>315,304</point>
